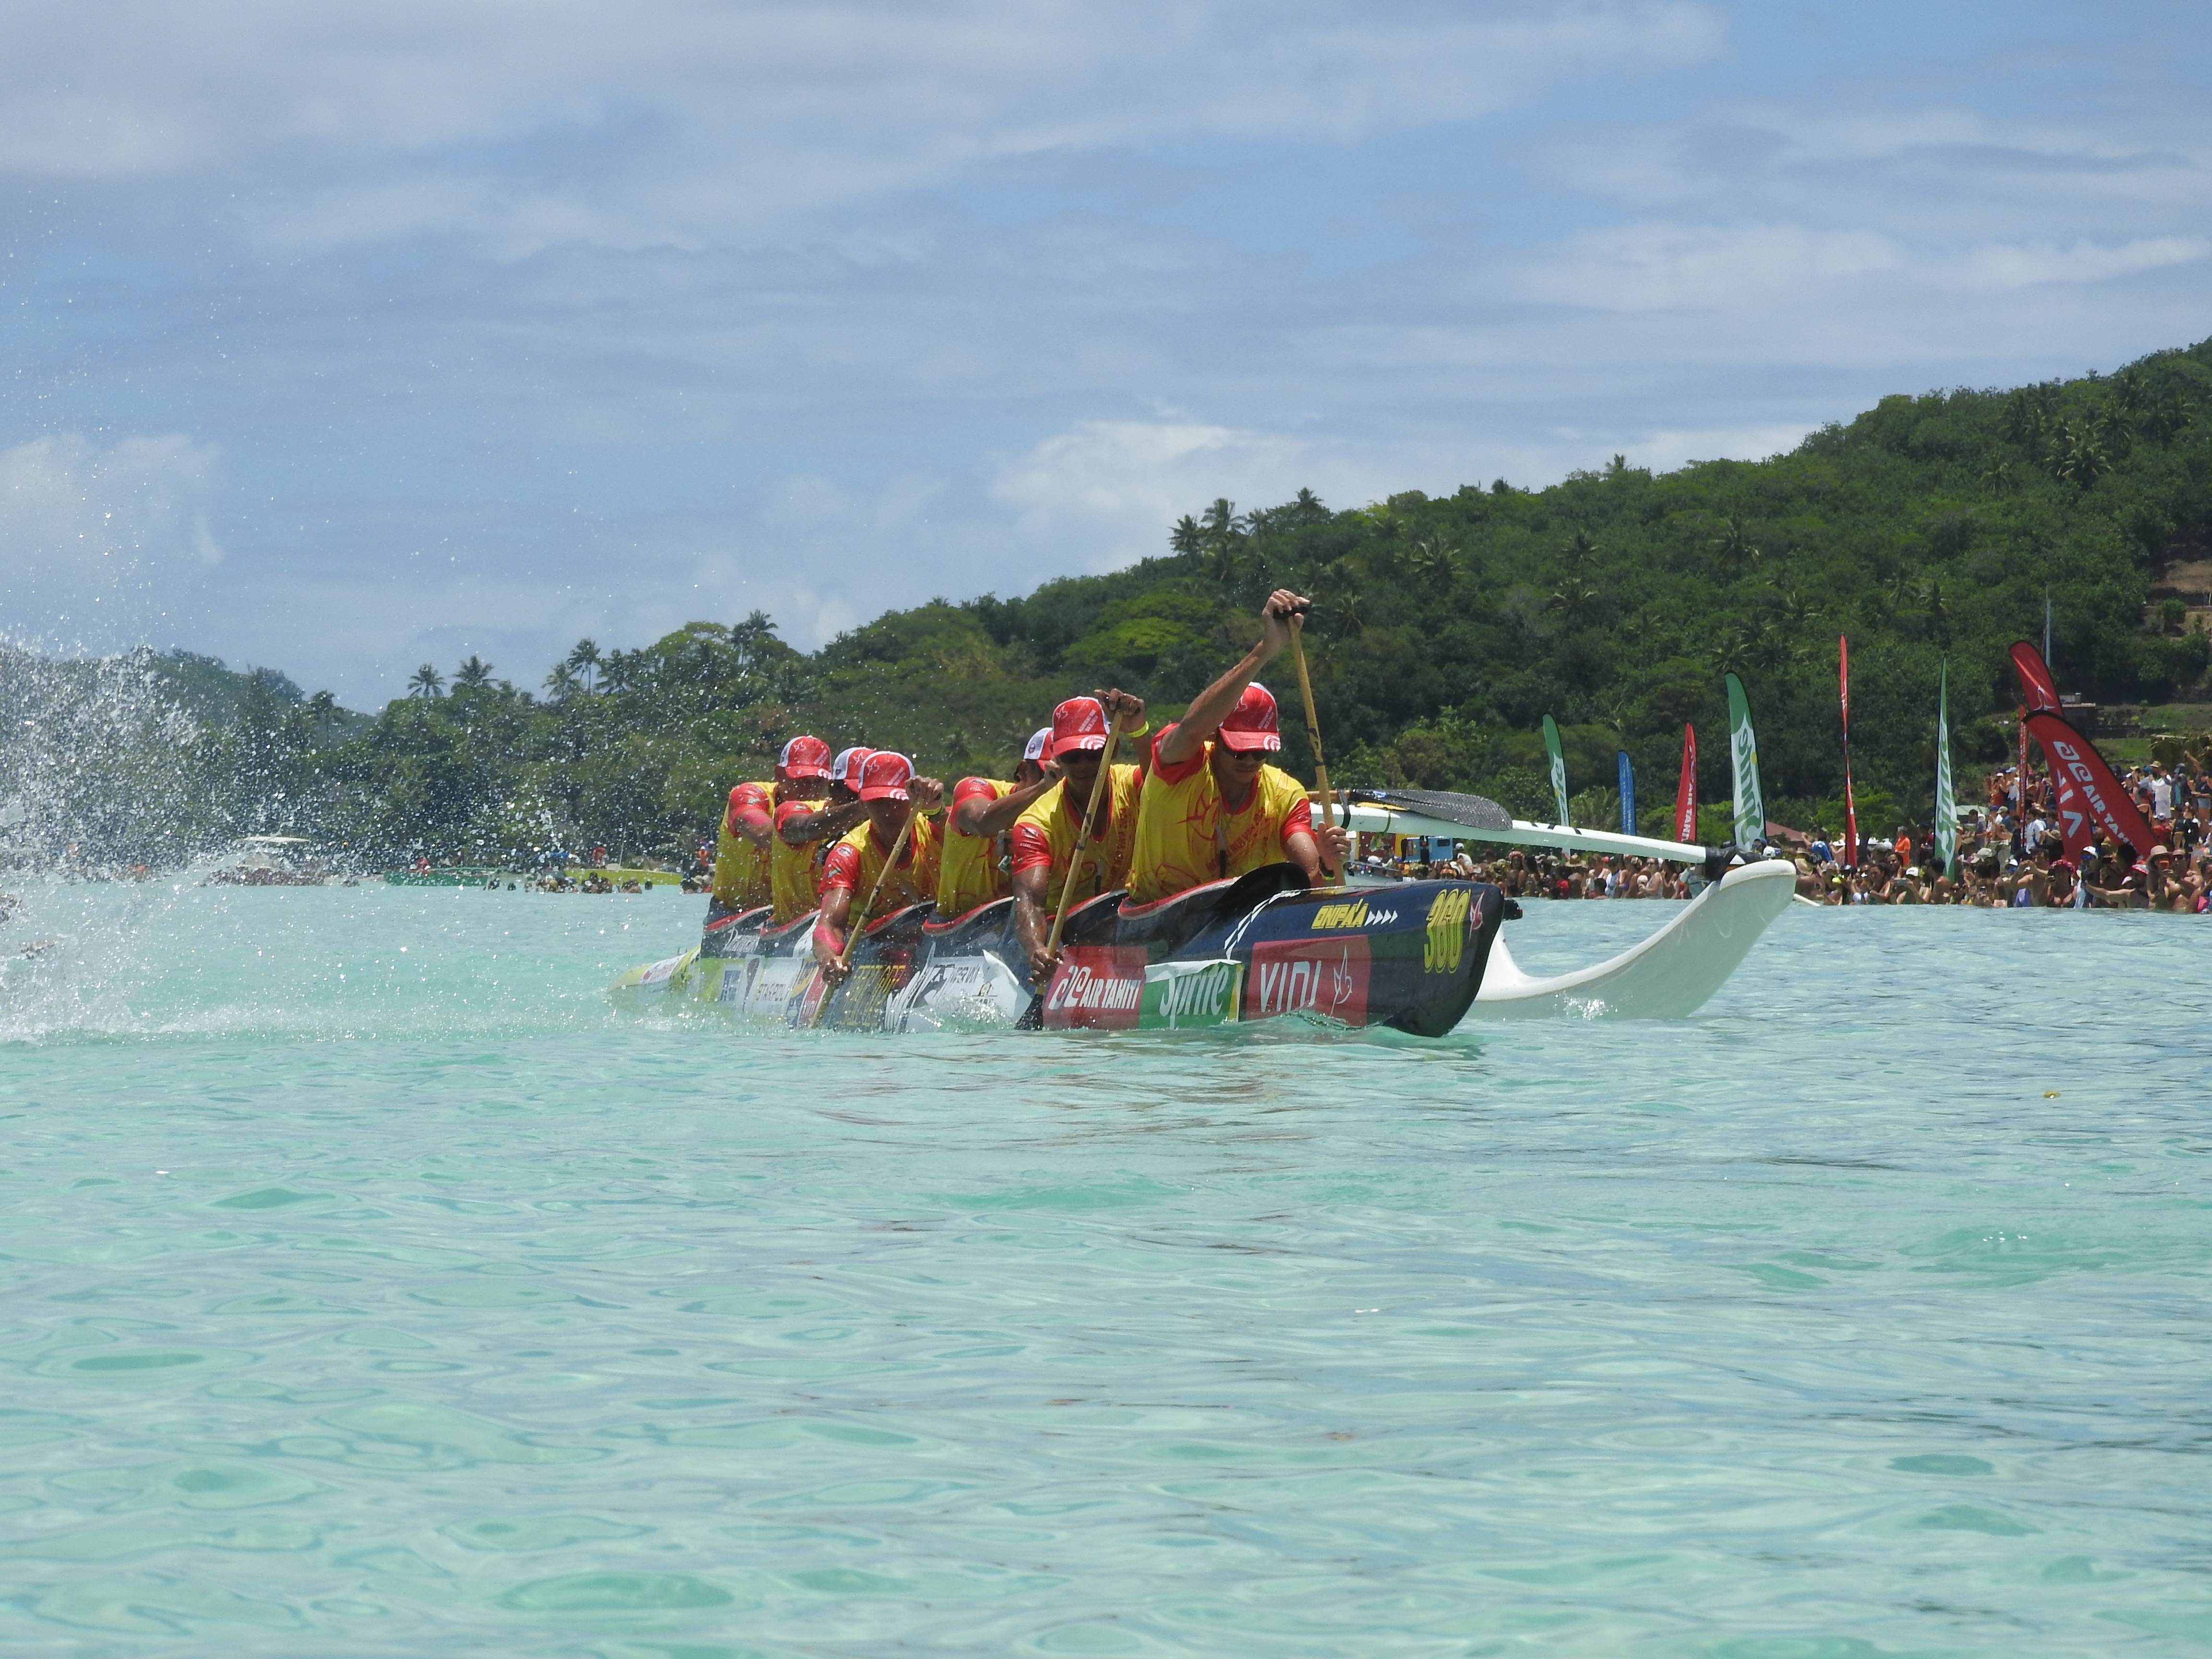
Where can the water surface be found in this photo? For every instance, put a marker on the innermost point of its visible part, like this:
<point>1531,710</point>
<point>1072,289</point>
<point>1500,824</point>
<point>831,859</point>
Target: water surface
<point>374,1288</point>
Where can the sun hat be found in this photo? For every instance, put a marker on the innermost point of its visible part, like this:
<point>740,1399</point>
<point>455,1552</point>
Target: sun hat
<point>804,757</point>
<point>885,776</point>
<point>1252,725</point>
<point>1040,742</point>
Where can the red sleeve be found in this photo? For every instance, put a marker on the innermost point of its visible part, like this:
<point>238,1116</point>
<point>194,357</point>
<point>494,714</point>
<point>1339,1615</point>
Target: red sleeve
<point>1031,848</point>
<point>842,867</point>
<point>1182,770</point>
<point>968,789</point>
<point>1300,817</point>
<point>750,802</point>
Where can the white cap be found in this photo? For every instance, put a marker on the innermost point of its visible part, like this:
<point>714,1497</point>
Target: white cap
<point>842,770</point>
<point>1040,740</point>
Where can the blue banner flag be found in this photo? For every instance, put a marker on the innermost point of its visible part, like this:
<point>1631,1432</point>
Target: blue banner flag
<point>1627,795</point>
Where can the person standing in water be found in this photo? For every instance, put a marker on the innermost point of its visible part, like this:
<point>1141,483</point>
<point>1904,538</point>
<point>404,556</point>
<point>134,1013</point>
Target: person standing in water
<point>1212,806</point>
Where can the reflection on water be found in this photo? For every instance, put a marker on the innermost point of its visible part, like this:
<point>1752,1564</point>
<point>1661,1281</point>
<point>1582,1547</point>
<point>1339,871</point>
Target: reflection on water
<point>375,1289</point>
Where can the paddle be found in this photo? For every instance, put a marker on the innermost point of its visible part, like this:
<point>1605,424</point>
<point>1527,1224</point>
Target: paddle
<point>853,924</point>
<point>1313,721</point>
<point>1033,1016</point>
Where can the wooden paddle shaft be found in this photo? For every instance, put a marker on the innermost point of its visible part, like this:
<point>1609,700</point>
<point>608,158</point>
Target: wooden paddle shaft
<point>853,924</point>
<point>1083,832</point>
<point>1313,721</point>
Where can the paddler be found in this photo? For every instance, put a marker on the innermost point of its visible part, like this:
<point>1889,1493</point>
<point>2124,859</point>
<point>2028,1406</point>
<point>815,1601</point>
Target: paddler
<point>806,822</point>
<point>975,868</point>
<point>743,850</point>
<point>1045,835</point>
<point>1212,806</point>
<point>892,798</point>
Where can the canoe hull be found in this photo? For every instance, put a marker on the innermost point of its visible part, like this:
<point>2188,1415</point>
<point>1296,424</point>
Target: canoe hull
<point>1261,948</point>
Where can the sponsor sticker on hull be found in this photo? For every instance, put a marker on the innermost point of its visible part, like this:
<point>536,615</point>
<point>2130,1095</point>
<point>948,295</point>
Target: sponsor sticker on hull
<point>1182,995</point>
<point>1097,987</point>
<point>1326,977</point>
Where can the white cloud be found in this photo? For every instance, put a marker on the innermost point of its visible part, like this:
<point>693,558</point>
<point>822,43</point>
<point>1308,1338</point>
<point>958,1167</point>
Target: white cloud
<point>2000,266</point>
<point>702,120</point>
<point>1661,267</point>
<point>99,547</point>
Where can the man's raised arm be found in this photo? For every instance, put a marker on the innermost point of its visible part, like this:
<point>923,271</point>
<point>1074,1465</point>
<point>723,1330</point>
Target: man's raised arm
<point>1212,706</point>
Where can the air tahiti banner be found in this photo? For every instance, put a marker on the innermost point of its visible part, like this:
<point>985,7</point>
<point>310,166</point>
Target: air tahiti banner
<point>1946,804</point>
<point>1558,768</point>
<point>2087,792</point>
<point>1627,793</point>
<point>1743,757</point>
<point>1686,792</point>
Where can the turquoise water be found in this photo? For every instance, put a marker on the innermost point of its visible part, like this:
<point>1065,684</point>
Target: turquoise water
<point>372,1288</point>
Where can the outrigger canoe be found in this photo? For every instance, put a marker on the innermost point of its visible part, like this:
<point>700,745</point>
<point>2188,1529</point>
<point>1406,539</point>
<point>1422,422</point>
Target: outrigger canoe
<point>1413,955</point>
<point>1260,947</point>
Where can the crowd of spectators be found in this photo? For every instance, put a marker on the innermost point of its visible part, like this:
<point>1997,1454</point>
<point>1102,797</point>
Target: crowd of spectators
<point>2011,855</point>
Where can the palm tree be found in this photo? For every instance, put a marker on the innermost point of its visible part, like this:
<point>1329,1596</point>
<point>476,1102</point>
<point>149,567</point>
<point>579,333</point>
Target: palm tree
<point>1578,551</point>
<point>584,660</point>
<point>1308,508</point>
<point>1435,560</point>
<point>562,682</point>
<point>1573,597</point>
<point>475,672</point>
<point>1187,537</point>
<point>1735,547</point>
<point>427,683</point>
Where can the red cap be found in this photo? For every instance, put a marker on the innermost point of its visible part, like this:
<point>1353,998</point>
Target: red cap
<point>1077,724</point>
<point>846,768</point>
<point>804,757</point>
<point>885,776</point>
<point>1251,724</point>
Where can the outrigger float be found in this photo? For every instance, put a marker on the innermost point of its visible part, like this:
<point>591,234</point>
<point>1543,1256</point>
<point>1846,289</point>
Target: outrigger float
<point>1417,957</point>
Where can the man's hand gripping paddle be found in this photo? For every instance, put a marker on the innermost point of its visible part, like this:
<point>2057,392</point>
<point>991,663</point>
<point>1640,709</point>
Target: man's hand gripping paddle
<point>1033,1017</point>
<point>844,966</point>
<point>1313,723</point>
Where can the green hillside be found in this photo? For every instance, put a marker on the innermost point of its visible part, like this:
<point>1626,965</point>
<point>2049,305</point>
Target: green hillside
<point>1443,629</point>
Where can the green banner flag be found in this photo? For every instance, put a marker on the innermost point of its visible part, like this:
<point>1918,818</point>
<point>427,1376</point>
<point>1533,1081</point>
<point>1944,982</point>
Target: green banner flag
<point>1559,767</point>
<point>1743,755</point>
<point>1947,804</point>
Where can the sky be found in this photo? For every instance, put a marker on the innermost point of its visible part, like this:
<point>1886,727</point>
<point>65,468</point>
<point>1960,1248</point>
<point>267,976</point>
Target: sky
<point>343,337</point>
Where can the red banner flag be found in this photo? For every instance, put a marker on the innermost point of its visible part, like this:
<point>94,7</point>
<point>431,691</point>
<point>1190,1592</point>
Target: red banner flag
<point>2087,783</point>
<point>2035,682</point>
<point>1850,806</point>
<point>1686,793</point>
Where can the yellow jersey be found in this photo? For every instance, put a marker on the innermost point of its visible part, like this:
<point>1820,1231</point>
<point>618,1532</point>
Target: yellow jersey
<point>856,861</point>
<point>972,869</point>
<point>1045,834</point>
<point>741,869</point>
<point>1185,836</point>
<point>795,873</point>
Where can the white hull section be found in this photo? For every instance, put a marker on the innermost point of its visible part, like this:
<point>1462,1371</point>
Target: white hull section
<point>1667,976</point>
